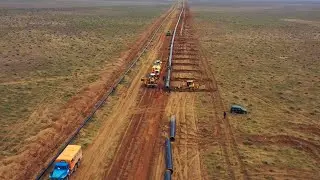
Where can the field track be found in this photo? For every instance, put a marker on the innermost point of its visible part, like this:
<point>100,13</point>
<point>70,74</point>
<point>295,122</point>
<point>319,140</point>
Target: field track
<point>139,114</point>
<point>196,134</point>
<point>45,144</point>
<point>131,144</point>
<point>130,141</point>
<point>139,125</point>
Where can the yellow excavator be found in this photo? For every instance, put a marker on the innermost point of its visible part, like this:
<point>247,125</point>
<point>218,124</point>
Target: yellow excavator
<point>151,81</point>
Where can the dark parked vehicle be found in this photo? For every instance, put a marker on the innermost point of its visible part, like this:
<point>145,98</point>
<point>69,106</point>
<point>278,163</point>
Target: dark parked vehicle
<point>238,109</point>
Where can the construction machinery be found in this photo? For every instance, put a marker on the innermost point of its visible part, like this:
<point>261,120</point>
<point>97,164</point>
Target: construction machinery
<point>188,85</point>
<point>151,80</point>
<point>67,163</point>
<point>156,68</point>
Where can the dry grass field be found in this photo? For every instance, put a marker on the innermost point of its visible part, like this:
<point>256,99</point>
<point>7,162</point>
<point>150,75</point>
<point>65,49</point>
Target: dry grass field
<point>48,55</point>
<point>266,57</point>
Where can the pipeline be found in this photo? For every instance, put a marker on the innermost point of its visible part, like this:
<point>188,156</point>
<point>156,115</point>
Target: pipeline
<point>167,175</point>
<point>172,128</point>
<point>167,85</point>
<point>169,164</point>
<point>101,101</point>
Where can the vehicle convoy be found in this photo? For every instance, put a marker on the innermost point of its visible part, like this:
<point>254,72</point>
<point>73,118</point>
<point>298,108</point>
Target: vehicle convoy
<point>152,79</point>
<point>66,163</point>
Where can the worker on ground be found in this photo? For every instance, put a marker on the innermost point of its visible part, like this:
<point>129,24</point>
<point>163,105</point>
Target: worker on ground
<point>224,115</point>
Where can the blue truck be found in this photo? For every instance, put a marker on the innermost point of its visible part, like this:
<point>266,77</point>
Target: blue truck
<point>67,163</point>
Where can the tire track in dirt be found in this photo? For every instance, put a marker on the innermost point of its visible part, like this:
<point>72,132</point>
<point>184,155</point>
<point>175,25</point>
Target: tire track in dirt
<point>294,142</point>
<point>186,152</point>
<point>314,129</point>
<point>228,142</point>
<point>266,171</point>
<point>137,132</point>
<point>44,145</point>
<point>116,125</point>
<point>189,138</point>
<point>187,47</point>
<point>134,147</point>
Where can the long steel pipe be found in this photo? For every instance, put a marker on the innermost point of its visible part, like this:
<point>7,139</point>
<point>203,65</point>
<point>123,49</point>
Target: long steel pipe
<point>172,128</point>
<point>167,85</point>
<point>167,175</point>
<point>169,164</point>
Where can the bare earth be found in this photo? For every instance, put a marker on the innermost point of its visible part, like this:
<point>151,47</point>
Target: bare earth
<point>263,56</point>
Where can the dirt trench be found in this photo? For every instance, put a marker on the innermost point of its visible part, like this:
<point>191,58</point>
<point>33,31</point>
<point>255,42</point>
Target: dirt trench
<point>42,147</point>
<point>131,142</point>
<point>200,126</point>
<point>131,137</point>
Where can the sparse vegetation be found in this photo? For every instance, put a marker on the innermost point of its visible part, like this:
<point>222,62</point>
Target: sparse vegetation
<point>48,55</point>
<point>265,57</point>
<point>89,132</point>
<point>215,164</point>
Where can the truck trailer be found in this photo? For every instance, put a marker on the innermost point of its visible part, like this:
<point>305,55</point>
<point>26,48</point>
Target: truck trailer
<point>67,163</point>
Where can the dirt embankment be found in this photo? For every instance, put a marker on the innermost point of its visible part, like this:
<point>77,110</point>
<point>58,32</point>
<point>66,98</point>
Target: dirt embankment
<point>130,138</point>
<point>200,128</point>
<point>43,146</point>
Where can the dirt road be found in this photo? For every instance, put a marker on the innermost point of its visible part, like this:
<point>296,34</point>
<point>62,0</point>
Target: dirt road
<point>130,145</point>
<point>45,144</point>
<point>130,142</point>
<point>129,139</point>
<point>200,127</point>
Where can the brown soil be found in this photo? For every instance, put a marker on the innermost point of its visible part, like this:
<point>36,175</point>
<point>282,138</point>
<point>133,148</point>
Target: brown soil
<point>198,132</point>
<point>43,146</point>
<point>287,173</point>
<point>127,149</point>
<point>130,144</point>
<point>286,140</point>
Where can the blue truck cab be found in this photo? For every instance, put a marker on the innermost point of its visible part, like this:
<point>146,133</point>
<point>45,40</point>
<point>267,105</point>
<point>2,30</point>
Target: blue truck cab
<point>60,171</point>
<point>66,163</point>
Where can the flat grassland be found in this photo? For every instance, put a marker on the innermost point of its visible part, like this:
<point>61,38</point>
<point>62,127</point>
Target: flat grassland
<point>266,57</point>
<point>48,55</point>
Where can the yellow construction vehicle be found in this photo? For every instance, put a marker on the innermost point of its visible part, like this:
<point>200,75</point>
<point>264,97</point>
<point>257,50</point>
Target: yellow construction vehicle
<point>192,85</point>
<point>188,85</point>
<point>156,68</point>
<point>151,80</point>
